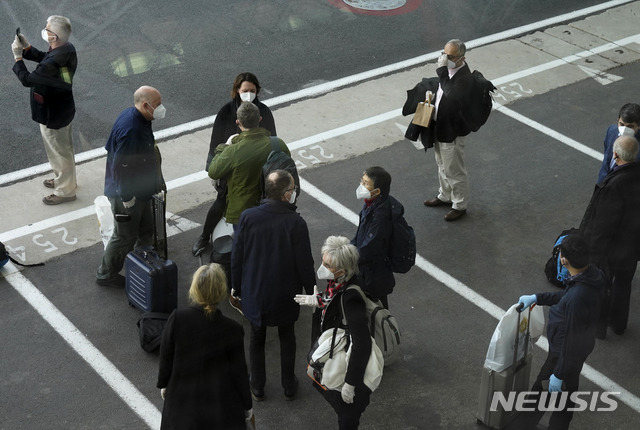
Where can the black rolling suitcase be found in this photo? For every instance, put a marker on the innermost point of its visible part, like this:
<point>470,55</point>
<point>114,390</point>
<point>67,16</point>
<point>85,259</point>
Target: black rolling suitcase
<point>151,279</point>
<point>515,378</point>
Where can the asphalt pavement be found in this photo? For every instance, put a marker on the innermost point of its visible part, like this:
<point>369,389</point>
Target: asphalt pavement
<point>71,357</point>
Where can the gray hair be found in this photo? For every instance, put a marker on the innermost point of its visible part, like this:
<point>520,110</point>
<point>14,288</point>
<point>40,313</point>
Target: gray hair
<point>462,48</point>
<point>626,147</point>
<point>61,26</point>
<point>341,255</point>
<point>249,115</point>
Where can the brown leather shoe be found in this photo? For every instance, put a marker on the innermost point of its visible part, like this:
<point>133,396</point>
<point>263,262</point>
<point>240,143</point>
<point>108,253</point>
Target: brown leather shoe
<point>436,202</point>
<point>454,214</point>
<point>48,183</point>
<point>56,200</point>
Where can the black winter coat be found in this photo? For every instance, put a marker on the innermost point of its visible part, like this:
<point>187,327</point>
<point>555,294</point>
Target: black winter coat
<point>271,262</point>
<point>573,318</point>
<point>203,368</point>
<point>611,223</point>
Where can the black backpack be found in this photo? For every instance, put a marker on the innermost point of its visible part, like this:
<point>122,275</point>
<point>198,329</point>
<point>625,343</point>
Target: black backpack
<point>278,160</point>
<point>150,328</point>
<point>481,102</point>
<point>402,251</point>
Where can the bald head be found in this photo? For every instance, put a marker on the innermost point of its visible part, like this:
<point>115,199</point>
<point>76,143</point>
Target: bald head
<point>625,149</point>
<point>146,99</point>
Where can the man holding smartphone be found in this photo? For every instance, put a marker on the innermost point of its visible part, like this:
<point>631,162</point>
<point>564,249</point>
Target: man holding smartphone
<point>52,104</point>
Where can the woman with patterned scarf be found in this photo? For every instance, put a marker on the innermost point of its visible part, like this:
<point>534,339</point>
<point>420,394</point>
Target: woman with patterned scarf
<point>340,268</point>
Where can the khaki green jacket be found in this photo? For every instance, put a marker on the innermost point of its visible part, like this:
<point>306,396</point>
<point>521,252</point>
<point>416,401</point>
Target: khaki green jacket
<point>241,163</point>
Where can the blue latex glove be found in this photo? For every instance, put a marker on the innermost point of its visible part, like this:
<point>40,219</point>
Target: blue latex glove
<point>555,384</point>
<point>527,301</point>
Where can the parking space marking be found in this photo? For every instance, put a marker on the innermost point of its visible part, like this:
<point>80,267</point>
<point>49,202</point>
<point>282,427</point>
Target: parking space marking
<point>472,296</point>
<point>128,392</point>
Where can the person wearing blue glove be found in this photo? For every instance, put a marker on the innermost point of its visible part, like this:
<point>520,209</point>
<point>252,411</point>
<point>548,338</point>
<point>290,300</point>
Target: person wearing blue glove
<point>571,329</point>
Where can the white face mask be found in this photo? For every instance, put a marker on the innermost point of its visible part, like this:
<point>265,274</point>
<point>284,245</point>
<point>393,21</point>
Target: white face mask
<point>292,199</point>
<point>625,131</point>
<point>324,273</point>
<point>247,97</point>
<point>45,35</point>
<point>451,64</point>
<point>362,192</point>
<point>159,112</point>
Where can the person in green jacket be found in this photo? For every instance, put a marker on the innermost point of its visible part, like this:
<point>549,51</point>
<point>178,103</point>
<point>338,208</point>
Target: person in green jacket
<point>241,162</point>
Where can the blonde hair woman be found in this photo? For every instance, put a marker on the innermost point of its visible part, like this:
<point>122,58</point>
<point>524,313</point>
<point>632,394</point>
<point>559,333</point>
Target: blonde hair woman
<point>203,373</point>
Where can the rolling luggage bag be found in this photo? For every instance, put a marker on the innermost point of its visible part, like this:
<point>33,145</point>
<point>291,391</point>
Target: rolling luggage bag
<point>513,379</point>
<point>151,282</point>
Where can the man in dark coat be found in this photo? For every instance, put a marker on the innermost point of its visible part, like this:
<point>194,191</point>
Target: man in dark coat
<point>571,330</point>
<point>611,226</point>
<point>52,104</point>
<point>373,237</point>
<point>452,101</point>
<point>271,261</point>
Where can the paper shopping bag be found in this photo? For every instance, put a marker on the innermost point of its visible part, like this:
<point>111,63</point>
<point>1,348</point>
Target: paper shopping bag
<point>424,113</point>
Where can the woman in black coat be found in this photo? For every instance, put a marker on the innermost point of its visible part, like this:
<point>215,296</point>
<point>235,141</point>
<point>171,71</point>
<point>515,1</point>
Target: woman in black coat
<point>203,374</point>
<point>245,88</point>
<point>340,267</point>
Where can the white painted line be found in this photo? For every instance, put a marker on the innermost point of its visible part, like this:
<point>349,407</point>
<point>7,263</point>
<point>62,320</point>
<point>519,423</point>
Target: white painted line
<point>472,296</point>
<point>146,410</point>
<point>345,129</point>
<point>551,133</point>
<point>317,90</point>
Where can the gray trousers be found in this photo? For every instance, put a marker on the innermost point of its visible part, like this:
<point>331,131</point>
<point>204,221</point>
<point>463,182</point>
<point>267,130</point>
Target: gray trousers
<point>135,233</point>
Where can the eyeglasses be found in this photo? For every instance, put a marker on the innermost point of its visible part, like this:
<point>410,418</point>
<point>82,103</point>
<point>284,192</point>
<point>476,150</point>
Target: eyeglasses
<point>47,30</point>
<point>450,57</point>
<point>290,190</point>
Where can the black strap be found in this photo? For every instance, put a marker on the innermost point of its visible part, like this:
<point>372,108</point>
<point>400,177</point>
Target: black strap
<point>14,261</point>
<point>275,143</point>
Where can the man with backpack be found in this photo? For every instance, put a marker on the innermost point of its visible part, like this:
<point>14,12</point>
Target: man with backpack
<point>456,112</point>
<point>242,162</point>
<point>380,218</point>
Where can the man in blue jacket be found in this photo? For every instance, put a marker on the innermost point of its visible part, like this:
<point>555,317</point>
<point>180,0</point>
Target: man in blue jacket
<point>132,177</point>
<point>373,237</point>
<point>571,330</point>
<point>52,104</point>
<point>271,261</point>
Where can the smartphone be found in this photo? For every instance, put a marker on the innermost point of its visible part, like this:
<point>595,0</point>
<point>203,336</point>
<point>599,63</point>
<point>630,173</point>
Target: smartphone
<point>18,32</point>
<point>123,217</point>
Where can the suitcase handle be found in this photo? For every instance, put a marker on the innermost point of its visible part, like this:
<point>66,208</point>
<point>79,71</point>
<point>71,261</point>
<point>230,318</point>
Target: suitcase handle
<point>517,340</point>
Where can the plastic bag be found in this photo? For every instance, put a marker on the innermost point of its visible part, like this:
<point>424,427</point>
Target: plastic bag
<point>500,353</point>
<point>105,218</point>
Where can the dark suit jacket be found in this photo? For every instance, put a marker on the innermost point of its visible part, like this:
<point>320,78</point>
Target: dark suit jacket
<point>51,96</point>
<point>203,368</point>
<point>455,99</point>
<point>611,223</point>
